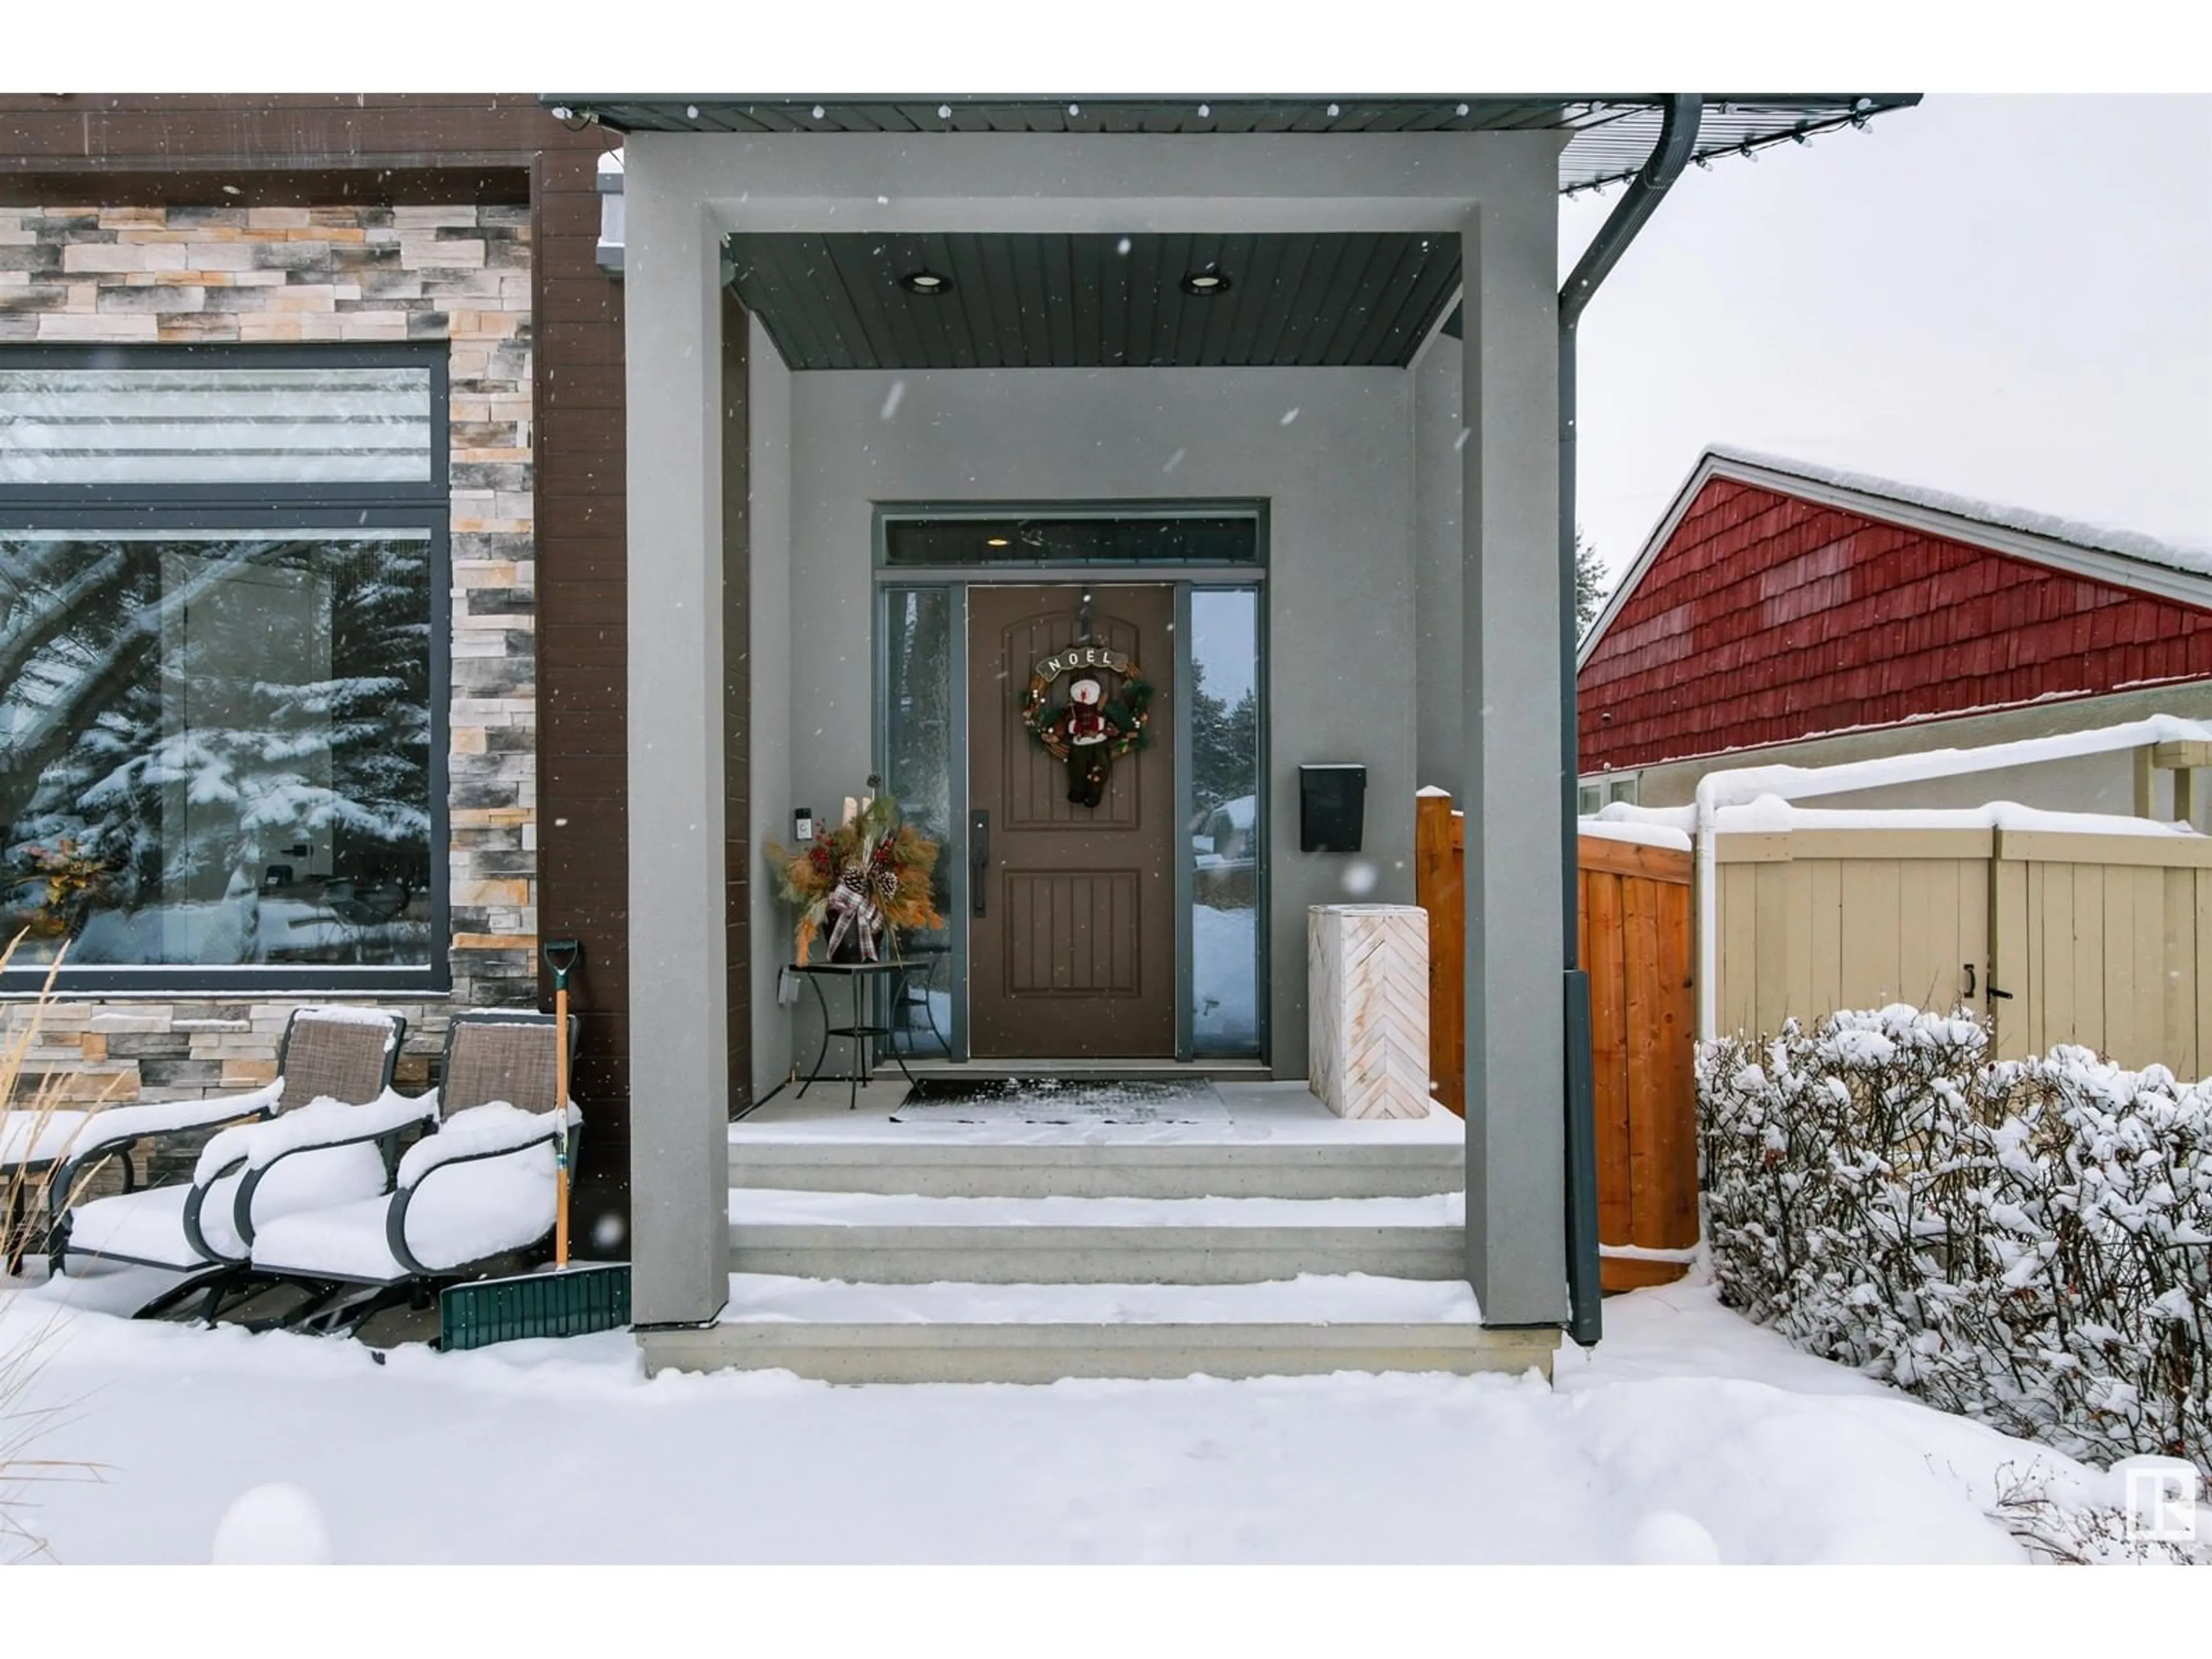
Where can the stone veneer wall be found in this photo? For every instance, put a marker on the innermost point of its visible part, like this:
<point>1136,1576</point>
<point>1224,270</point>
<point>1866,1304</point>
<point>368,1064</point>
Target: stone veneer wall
<point>147,275</point>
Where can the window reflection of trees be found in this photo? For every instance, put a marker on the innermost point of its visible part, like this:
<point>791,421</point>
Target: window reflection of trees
<point>230,737</point>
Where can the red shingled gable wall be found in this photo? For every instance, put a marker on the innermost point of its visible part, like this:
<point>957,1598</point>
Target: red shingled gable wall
<point>1766,618</point>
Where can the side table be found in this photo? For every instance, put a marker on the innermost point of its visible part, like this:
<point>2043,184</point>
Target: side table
<point>861,1031</point>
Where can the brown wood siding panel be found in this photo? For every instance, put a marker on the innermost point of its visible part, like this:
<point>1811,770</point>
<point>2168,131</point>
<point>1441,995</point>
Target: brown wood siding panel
<point>578,385</point>
<point>586,434</point>
<point>596,559</point>
<point>599,778</point>
<point>572,215</point>
<point>562,512</point>
<point>568,300</point>
<point>586,345</point>
<point>583,661</point>
<point>602,648</point>
<point>496,181</point>
<point>333,130</point>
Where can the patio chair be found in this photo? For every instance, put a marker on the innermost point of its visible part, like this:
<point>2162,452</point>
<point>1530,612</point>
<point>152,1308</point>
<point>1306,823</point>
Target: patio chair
<point>34,1141</point>
<point>335,1066</point>
<point>478,1187</point>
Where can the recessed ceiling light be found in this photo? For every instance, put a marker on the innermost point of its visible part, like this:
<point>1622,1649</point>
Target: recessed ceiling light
<point>925,282</point>
<point>1207,282</point>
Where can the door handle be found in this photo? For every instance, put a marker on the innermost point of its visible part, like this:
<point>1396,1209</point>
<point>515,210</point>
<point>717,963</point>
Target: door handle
<point>979,858</point>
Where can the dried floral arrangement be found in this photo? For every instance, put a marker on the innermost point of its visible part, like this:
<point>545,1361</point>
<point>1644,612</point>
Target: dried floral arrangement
<point>865,878</point>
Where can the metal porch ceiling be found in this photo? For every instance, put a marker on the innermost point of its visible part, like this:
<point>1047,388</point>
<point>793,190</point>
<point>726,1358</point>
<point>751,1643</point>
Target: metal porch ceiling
<point>1031,301</point>
<point>1613,133</point>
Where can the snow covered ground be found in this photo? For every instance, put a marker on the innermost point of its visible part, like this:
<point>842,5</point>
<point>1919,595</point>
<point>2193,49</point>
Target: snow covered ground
<point>1688,1433</point>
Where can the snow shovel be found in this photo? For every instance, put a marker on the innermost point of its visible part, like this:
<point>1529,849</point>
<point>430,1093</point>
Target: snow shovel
<point>564,1300</point>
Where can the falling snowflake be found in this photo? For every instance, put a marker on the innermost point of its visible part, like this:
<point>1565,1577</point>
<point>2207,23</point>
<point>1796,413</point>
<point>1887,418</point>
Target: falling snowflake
<point>1289,414</point>
<point>891,399</point>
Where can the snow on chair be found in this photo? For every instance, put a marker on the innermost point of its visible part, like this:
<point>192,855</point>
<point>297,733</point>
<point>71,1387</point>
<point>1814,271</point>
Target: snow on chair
<point>479,1187</point>
<point>334,1065</point>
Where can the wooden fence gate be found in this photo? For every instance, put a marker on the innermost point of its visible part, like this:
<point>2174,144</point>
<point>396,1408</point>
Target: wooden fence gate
<point>1636,945</point>
<point>2049,936</point>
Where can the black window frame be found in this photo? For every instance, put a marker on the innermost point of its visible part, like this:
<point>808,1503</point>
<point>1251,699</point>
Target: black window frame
<point>280,509</point>
<point>893,519</point>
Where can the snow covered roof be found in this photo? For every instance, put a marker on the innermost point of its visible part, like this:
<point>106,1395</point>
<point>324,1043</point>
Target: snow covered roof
<point>2148,564</point>
<point>2126,544</point>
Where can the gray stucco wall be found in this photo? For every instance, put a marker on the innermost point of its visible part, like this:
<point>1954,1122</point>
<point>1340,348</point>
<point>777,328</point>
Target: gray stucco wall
<point>1327,449</point>
<point>770,737</point>
<point>1439,560</point>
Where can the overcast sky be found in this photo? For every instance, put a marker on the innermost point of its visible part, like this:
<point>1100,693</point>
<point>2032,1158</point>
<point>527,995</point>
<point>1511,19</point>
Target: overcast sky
<point>2006,297</point>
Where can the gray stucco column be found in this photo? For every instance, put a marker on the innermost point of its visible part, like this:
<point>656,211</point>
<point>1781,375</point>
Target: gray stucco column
<point>678,987</point>
<point>1516,1140</point>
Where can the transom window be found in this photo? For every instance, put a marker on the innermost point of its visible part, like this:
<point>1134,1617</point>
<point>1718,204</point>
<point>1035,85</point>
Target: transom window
<point>223,664</point>
<point>952,540</point>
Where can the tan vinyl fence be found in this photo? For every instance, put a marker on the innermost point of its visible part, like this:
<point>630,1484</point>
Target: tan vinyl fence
<point>2104,940</point>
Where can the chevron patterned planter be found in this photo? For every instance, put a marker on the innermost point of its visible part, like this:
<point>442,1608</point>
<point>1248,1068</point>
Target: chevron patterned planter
<point>1367,987</point>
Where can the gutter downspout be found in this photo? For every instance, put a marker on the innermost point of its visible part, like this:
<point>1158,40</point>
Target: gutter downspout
<point>1678,135</point>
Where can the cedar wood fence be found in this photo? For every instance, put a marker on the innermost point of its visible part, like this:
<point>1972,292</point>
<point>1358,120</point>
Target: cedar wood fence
<point>1636,939</point>
<point>2104,940</point>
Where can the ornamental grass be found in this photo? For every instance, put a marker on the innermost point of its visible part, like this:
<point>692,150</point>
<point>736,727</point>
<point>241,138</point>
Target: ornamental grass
<point>26,1120</point>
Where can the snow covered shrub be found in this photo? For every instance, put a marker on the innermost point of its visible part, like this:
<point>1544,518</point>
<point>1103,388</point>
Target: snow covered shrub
<point>2027,1243</point>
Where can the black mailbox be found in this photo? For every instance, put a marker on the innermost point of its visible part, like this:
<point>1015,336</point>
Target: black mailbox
<point>1332,808</point>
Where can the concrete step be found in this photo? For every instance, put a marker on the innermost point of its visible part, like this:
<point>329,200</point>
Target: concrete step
<point>888,1240</point>
<point>1117,1168</point>
<point>956,1332</point>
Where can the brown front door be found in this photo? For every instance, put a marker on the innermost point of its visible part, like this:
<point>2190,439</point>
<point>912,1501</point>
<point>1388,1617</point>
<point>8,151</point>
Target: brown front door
<point>1071,908</point>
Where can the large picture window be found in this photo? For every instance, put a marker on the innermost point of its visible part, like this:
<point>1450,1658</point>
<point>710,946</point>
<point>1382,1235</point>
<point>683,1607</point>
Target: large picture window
<point>223,666</point>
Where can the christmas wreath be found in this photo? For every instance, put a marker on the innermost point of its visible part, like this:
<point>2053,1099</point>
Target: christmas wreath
<point>1090,729</point>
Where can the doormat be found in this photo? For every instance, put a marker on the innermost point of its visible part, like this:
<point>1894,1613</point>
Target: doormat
<point>1059,1100</point>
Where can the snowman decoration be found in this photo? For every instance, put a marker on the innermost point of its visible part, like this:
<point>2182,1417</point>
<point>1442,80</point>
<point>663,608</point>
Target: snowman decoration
<point>1084,724</point>
<point>1086,731</point>
<point>1091,728</point>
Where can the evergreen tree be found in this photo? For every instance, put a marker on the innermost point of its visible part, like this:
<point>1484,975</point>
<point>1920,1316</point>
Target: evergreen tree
<point>1224,744</point>
<point>1589,584</point>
